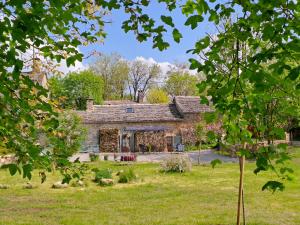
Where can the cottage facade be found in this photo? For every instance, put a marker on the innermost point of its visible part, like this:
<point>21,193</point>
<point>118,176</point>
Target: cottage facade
<point>140,127</point>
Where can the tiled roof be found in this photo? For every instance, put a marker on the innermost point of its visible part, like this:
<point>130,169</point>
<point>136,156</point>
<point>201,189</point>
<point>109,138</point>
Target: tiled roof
<point>118,102</point>
<point>190,104</point>
<point>141,113</point>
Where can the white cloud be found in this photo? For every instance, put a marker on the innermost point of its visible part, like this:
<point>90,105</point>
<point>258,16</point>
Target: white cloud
<point>79,66</point>
<point>164,66</point>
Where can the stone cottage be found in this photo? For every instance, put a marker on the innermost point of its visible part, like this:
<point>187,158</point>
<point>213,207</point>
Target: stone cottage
<point>140,127</point>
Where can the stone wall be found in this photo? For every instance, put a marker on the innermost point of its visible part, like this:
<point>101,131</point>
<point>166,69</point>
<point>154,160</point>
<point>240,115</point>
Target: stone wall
<point>155,139</point>
<point>92,138</point>
<point>109,140</point>
<point>188,135</point>
<point>184,128</point>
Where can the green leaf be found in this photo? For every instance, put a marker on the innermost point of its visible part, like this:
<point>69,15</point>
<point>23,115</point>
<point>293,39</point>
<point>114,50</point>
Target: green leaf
<point>13,168</point>
<point>177,35</point>
<point>195,64</point>
<point>213,16</point>
<point>215,162</point>
<point>167,20</point>
<point>268,32</point>
<point>262,164</point>
<point>273,186</point>
<point>27,171</point>
<point>294,73</point>
<point>193,21</point>
<point>204,100</point>
<point>201,86</point>
<point>71,61</point>
<point>202,44</point>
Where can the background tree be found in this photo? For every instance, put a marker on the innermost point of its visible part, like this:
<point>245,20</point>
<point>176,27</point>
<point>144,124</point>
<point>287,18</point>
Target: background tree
<point>114,71</point>
<point>68,137</point>
<point>142,76</point>
<point>73,90</point>
<point>180,82</point>
<point>201,132</point>
<point>157,95</point>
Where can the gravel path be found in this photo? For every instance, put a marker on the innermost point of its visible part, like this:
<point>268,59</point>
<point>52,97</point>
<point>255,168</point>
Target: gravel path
<point>206,156</point>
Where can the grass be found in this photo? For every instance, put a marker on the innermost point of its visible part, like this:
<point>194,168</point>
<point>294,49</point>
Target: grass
<point>203,196</point>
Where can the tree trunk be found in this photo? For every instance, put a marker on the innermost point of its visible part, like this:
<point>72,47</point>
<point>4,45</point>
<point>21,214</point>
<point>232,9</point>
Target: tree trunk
<point>199,153</point>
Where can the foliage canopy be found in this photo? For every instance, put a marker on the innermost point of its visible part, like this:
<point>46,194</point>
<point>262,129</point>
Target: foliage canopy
<point>75,88</point>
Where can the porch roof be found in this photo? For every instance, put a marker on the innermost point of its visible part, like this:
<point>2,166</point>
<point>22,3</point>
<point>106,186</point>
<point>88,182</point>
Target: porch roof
<point>146,128</point>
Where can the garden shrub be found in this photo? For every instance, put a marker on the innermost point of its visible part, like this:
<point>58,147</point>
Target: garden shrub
<point>68,137</point>
<point>127,176</point>
<point>94,157</point>
<point>176,163</point>
<point>102,174</point>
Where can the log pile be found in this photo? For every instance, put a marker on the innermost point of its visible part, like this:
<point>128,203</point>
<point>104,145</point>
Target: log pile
<point>155,141</point>
<point>109,139</point>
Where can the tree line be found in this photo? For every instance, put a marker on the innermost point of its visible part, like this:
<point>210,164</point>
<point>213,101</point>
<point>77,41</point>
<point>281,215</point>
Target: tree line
<point>111,77</point>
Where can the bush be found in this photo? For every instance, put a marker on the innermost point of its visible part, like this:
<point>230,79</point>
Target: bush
<point>102,174</point>
<point>127,176</point>
<point>68,137</point>
<point>94,157</point>
<point>176,163</point>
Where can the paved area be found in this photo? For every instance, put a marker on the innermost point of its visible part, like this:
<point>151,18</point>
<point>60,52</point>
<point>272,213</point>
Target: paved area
<point>206,156</point>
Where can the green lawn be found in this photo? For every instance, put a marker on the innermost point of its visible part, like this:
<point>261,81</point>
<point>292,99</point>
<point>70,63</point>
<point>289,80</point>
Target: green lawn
<point>203,196</point>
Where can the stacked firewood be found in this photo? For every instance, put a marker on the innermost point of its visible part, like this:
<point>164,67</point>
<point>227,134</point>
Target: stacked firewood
<point>109,139</point>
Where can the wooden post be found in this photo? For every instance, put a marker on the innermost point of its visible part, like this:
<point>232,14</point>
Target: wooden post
<point>242,166</point>
<point>199,152</point>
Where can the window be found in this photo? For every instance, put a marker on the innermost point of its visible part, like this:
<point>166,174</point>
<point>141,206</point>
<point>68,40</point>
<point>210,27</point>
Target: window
<point>129,110</point>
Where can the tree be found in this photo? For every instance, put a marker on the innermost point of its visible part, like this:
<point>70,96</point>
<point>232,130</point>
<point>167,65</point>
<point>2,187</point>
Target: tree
<point>67,138</point>
<point>73,90</point>
<point>156,95</point>
<point>200,131</point>
<point>180,82</point>
<point>55,29</point>
<point>141,77</point>
<point>114,71</point>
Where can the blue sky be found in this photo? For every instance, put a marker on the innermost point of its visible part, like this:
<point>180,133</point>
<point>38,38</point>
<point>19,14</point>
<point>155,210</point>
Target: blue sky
<point>126,44</point>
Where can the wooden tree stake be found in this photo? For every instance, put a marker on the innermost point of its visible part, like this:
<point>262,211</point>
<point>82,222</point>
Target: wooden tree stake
<point>242,165</point>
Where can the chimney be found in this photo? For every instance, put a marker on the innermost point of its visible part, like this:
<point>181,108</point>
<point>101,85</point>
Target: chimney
<point>36,65</point>
<point>89,104</point>
<point>140,97</point>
